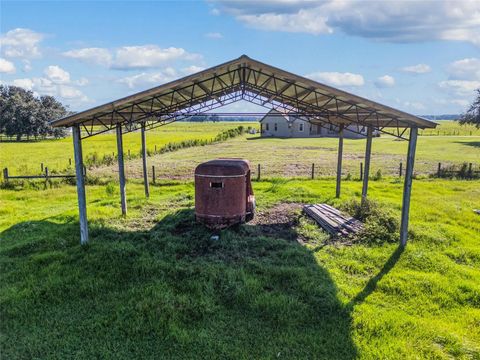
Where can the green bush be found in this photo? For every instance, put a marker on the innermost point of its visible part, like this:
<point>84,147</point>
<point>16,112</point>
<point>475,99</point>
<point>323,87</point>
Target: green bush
<point>110,189</point>
<point>380,224</point>
<point>378,175</point>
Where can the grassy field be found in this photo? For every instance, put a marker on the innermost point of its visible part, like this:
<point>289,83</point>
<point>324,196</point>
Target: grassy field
<point>450,127</point>
<point>291,157</point>
<point>26,157</point>
<point>294,157</point>
<point>154,283</point>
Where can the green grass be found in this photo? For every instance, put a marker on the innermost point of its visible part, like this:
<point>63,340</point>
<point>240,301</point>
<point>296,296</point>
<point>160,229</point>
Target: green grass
<point>154,285</point>
<point>294,157</point>
<point>26,157</point>
<point>451,128</point>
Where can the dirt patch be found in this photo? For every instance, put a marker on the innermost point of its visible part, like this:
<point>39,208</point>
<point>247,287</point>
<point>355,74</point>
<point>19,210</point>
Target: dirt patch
<point>278,221</point>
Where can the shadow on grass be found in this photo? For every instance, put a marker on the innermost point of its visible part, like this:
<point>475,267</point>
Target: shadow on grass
<point>372,283</point>
<point>469,143</point>
<point>172,290</point>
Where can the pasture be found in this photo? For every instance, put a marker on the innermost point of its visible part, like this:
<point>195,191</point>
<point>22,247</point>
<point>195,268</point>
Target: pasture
<point>278,157</point>
<point>155,283</point>
<point>26,157</point>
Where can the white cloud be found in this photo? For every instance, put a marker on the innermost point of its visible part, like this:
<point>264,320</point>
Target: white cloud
<point>465,69</point>
<point>56,74</point>
<point>417,69</point>
<point>82,81</point>
<point>99,56</point>
<point>131,57</point>
<point>385,81</point>
<point>396,21</point>
<point>22,43</point>
<point>71,93</point>
<point>460,87</point>
<point>56,82</point>
<point>460,102</point>
<point>23,83</point>
<point>414,105</point>
<point>192,69</point>
<point>149,79</point>
<point>27,65</point>
<point>148,56</point>
<point>338,79</point>
<point>303,21</point>
<point>215,12</point>
<point>7,67</point>
<point>214,35</point>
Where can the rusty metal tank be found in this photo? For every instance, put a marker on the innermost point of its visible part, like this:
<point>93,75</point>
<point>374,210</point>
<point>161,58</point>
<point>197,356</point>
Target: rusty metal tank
<point>223,193</point>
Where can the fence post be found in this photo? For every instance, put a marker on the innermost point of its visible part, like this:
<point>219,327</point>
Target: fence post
<point>46,174</point>
<point>470,172</point>
<point>361,171</point>
<point>155,149</point>
<point>439,169</point>
<point>313,171</point>
<point>84,171</point>
<point>153,173</point>
<point>129,153</point>
<point>259,172</point>
<point>41,166</point>
<point>70,161</point>
<point>400,170</point>
<point>5,174</point>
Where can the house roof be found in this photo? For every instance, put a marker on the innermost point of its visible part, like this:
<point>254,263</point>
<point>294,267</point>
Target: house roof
<point>275,112</point>
<point>250,80</point>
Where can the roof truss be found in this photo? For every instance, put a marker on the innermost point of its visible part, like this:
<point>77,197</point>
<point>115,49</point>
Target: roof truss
<point>244,79</point>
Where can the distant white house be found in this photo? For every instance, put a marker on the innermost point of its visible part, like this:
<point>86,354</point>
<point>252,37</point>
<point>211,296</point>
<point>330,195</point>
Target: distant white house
<point>277,124</point>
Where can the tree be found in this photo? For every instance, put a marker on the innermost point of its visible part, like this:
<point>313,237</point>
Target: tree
<point>51,109</point>
<point>472,116</point>
<point>22,113</point>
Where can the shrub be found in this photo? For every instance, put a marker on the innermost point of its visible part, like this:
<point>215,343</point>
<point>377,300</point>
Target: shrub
<point>380,225</point>
<point>378,176</point>
<point>453,171</point>
<point>110,189</point>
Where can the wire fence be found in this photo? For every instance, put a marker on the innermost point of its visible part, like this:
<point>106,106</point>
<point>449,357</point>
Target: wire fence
<point>260,171</point>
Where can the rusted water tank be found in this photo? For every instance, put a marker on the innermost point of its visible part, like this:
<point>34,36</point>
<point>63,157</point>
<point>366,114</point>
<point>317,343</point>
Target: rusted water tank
<point>223,193</point>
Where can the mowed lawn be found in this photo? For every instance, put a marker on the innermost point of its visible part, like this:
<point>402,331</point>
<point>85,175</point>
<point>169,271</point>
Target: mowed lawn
<point>26,157</point>
<point>154,285</point>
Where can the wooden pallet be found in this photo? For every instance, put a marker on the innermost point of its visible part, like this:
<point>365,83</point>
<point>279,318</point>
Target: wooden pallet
<point>332,220</point>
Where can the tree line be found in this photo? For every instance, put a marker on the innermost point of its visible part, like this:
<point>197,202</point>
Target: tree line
<point>22,114</point>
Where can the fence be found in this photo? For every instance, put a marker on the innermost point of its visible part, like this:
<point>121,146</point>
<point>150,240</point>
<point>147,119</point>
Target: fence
<point>260,171</point>
<point>45,175</point>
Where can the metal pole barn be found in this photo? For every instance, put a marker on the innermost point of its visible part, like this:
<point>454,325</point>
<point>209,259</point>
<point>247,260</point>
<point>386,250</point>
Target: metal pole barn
<point>121,170</point>
<point>407,188</point>
<point>339,161</point>
<point>82,203</point>
<point>368,153</point>
<point>250,80</point>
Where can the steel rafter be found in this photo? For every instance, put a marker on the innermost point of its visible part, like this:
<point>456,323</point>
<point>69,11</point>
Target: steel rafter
<point>235,84</point>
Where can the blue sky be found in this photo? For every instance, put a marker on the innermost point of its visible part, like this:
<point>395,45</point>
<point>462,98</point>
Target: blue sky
<point>419,56</point>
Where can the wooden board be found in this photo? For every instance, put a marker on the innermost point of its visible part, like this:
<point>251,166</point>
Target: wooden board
<point>332,220</point>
